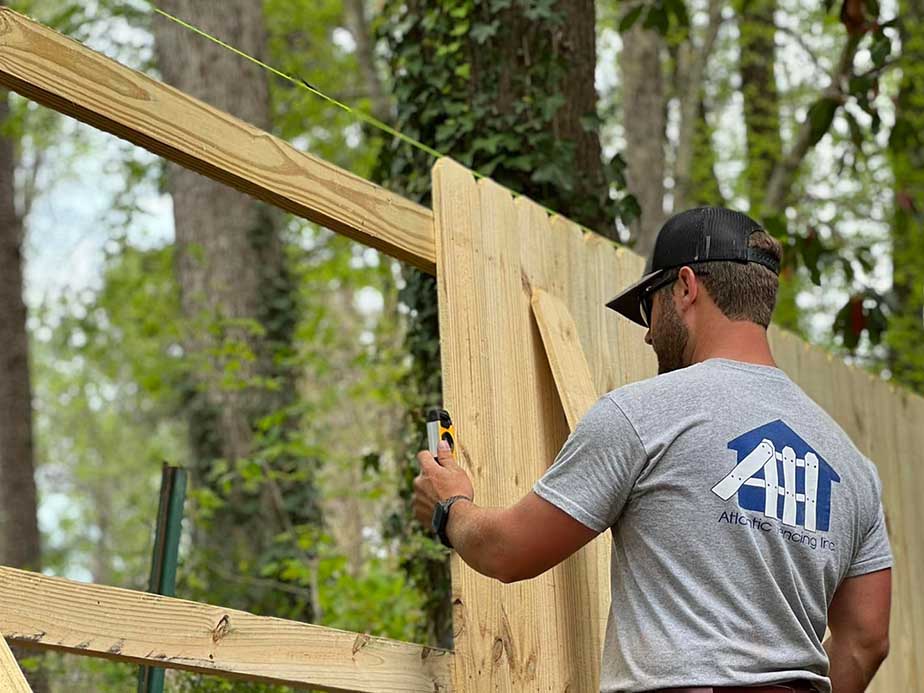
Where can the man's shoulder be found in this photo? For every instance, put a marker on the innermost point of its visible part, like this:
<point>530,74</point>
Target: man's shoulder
<point>689,378</point>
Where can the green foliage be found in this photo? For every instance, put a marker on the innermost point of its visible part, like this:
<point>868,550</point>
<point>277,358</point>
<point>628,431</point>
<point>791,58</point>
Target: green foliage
<point>658,15</point>
<point>906,150</point>
<point>300,44</point>
<point>106,370</point>
<point>463,89</point>
<point>820,116</point>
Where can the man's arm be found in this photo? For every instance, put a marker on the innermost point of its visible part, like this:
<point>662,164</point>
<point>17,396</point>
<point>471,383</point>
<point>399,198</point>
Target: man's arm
<point>515,543</point>
<point>859,622</point>
<point>509,544</point>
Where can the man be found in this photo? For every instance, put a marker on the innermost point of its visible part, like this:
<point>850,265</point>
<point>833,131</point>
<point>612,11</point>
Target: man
<point>743,519</point>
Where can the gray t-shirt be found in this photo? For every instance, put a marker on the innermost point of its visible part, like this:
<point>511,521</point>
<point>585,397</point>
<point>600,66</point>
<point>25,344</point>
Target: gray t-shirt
<point>737,507</point>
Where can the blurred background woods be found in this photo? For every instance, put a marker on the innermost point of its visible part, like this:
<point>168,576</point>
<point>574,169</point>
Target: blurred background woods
<point>149,314</point>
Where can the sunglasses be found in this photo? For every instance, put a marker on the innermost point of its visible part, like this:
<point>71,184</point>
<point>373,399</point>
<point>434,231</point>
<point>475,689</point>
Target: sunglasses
<point>646,300</point>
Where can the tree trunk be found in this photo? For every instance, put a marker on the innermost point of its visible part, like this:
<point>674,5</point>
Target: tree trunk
<point>20,544</point>
<point>238,300</point>
<point>515,98</point>
<point>906,327</point>
<point>644,121</point>
<point>355,15</point>
<point>695,181</point>
<point>575,122</point>
<point>757,27</point>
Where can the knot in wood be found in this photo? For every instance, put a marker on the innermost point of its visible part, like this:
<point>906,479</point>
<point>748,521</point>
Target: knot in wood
<point>360,642</point>
<point>222,628</point>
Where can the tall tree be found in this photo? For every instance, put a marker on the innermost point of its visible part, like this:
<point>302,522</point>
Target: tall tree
<point>757,64</point>
<point>764,145</point>
<point>906,143</point>
<point>20,544</point>
<point>644,116</point>
<point>695,181</point>
<point>506,88</point>
<point>238,300</point>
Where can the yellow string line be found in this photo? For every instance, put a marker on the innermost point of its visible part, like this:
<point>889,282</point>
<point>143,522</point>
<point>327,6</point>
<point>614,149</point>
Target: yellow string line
<point>372,120</point>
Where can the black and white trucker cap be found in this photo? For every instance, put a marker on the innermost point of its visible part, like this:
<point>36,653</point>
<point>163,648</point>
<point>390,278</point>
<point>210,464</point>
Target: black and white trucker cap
<point>704,234</point>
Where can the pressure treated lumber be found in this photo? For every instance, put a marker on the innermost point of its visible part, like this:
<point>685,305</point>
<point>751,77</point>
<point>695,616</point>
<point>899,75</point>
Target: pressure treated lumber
<point>492,252</point>
<point>885,423</point>
<point>60,73</point>
<point>499,630</point>
<point>12,679</point>
<point>575,385</point>
<point>99,621</point>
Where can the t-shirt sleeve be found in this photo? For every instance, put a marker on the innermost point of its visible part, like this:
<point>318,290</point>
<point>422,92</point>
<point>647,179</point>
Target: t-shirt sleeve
<point>596,468</point>
<point>874,552</point>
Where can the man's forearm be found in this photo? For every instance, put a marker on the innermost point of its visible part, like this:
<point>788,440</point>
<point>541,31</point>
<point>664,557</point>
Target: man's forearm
<point>477,536</point>
<point>852,665</point>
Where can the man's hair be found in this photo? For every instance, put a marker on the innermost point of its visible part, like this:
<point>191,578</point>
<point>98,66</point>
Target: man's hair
<point>744,291</point>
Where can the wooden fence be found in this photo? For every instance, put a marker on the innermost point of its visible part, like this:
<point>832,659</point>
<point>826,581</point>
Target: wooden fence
<point>523,329</point>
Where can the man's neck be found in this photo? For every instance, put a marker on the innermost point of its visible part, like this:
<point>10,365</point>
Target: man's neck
<point>736,340</point>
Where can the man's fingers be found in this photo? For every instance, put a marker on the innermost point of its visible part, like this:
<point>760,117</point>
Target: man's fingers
<point>427,464</point>
<point>444,453</point>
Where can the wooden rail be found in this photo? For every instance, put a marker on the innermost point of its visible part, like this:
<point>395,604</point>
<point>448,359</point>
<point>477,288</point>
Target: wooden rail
<point>60,73</point>
<point>112,623</point>
<point>12,679</point>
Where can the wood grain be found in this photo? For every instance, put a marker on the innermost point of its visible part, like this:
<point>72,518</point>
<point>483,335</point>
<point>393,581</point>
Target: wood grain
<point>60,73</point>
<point>885,423</point>
<point>575,385</point>
<point>573,613</point>
<point>494,254</point>
<point>498,629</point>
<point>12,680</point>
<point>98,621</point>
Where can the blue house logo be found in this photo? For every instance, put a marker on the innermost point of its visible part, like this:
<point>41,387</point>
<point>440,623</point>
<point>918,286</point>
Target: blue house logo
<point>782,476</point>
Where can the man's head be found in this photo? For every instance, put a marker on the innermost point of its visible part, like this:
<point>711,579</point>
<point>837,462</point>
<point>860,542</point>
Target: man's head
<point>710,271</point>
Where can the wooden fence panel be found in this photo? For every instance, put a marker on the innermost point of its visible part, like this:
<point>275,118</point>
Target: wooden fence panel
<point>886,424</point>
<point>582,272</point>
<point>98,621</point>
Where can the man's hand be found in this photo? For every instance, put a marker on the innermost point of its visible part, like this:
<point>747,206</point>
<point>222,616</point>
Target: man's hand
<point>437,481</point>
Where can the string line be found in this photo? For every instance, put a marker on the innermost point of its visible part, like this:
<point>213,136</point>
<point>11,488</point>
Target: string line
<point>370,119</point>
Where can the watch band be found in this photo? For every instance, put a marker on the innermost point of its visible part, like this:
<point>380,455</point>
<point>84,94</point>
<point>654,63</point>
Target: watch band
<point>441,518</point>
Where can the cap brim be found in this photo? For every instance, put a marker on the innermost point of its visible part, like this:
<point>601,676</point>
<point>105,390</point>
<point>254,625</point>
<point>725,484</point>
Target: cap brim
<point>627,302</point>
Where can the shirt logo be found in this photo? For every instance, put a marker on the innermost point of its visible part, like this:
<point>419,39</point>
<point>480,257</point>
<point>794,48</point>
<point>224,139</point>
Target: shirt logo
<point>781,475</point>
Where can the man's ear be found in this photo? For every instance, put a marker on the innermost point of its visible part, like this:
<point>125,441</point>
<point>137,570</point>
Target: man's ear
<point>687,288</point>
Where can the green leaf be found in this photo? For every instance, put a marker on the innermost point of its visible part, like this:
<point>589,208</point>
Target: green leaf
<point>630,17</point>
<point>856,132</point>
<point>881,48</point>
<point>590,122</point>
<point>657,20</point>
<point>678,8</point>
<point>629,209</point>
<point>903,136</point>
<point>482,32</point>
<point>447,130</point>
<point>775,225</point>
<point>820,116</point>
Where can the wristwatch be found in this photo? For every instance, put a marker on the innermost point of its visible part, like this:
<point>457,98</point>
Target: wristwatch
<point>441,518</point>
